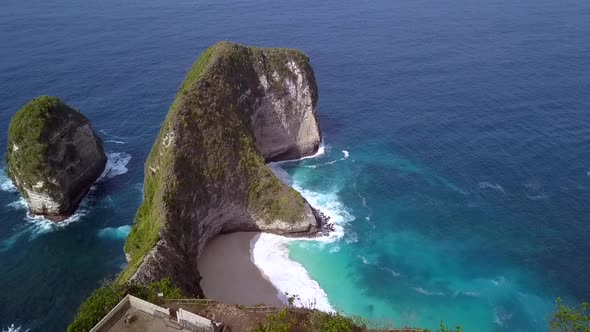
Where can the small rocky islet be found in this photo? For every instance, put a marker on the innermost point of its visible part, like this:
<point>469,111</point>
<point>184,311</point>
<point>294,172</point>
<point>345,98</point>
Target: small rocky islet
<point>54,156</point>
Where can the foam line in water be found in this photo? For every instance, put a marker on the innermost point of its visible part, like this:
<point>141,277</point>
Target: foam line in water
<point>321,151</point>
<point>271,255</point>
<point>493,186</point>
<point>423,291</point>
<point>365,261</point>
<point>344,152</point>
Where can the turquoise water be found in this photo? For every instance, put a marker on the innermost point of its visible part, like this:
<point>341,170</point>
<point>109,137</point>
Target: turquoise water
<point>464,195</point>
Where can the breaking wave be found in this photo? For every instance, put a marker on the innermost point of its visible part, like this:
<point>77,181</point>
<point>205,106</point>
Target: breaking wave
<point>270,253</point>
<point>344,152</point>
<point>13,328</point>
<point>6,183</point>
<point>116,165</point>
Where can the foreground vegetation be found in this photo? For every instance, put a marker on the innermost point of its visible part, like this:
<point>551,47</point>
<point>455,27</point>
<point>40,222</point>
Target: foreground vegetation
<point>102,300</point>
<point>569,319</point>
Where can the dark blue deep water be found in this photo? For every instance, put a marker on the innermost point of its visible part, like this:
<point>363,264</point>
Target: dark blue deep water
<point>466,192</point>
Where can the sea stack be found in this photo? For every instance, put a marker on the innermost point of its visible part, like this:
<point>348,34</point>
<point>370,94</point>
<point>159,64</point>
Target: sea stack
<point>237,108</point>
<point>53,156</point>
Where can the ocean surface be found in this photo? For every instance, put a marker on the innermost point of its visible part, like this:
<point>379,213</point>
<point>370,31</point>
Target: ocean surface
<point>455,165</point>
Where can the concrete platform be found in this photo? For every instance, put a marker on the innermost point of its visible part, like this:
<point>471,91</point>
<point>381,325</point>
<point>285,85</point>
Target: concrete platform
<point>143,322</point>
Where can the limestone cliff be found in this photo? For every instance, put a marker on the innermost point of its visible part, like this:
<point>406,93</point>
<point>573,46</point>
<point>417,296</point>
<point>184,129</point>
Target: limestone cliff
<point>53,157</point>
<point>206,173</point>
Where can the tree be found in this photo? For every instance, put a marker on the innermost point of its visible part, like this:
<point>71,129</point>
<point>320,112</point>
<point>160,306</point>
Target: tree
<point>568,319</point>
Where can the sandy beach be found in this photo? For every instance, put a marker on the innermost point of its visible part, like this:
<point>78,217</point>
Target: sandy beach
<point>230,276</point>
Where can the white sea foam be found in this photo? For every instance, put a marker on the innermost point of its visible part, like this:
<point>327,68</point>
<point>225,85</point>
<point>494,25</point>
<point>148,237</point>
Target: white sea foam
<point>344,152</point>
<point>365,261</point>
<point>6,183</point>
<point>321,151</point>
<point>116,165</point>
<point>116,233</point>
<point>13,328</point>
<point>501,316</point>
<point>334,248</point>
<point>392,272</point>
<point>498,281</point>
<point>352,237</point>
<point>271,256</point>
<point>493,186</point>
<point>474,294</point>
<point>114,141</point>
<point>19,204</point>
<point>427,292</point>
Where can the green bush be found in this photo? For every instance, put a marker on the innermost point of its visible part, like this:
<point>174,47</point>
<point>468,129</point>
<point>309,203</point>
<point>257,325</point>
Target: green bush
<point>443,328</point>
<point>278,322</point>
<point>320,321</point>
<point>568,319</point>
<point>106,298</point>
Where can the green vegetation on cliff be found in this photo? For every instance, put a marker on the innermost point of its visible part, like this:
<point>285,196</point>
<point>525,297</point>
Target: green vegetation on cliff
<point>26,138</point>
<point>148,220</point>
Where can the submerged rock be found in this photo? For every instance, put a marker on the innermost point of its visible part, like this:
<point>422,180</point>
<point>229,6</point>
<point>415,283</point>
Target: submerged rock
<point>238,107</point>
<point>53,157</point>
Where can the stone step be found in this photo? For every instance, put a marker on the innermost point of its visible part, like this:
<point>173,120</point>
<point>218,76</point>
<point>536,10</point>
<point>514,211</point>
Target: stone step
<point>173,324</point>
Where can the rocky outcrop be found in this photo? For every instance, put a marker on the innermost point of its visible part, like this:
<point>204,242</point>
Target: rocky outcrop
<point>238,107</point>
<point>53,157</point>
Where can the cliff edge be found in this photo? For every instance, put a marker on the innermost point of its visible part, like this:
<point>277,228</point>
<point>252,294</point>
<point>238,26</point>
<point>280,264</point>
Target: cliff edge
<point>237,108</point>
<point>53,156</point>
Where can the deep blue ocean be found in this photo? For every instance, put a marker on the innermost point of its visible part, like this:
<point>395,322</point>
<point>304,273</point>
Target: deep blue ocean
<point>457,148</point>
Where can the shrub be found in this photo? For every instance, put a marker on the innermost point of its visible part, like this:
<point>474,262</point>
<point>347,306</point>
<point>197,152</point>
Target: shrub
<point>320,321</point>
<point>443,328</point>
<point>568,319</point>
<point>278,322</point>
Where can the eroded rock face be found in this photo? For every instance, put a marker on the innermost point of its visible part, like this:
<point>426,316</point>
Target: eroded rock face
<point>238,107</point>
<point>53,157</point>
<point>285,117</point>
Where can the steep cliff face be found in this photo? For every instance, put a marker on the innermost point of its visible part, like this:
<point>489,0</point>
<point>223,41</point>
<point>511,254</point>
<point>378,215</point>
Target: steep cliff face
<point>285,117</point>
<point>53,157</point>
<point>206,173</point>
